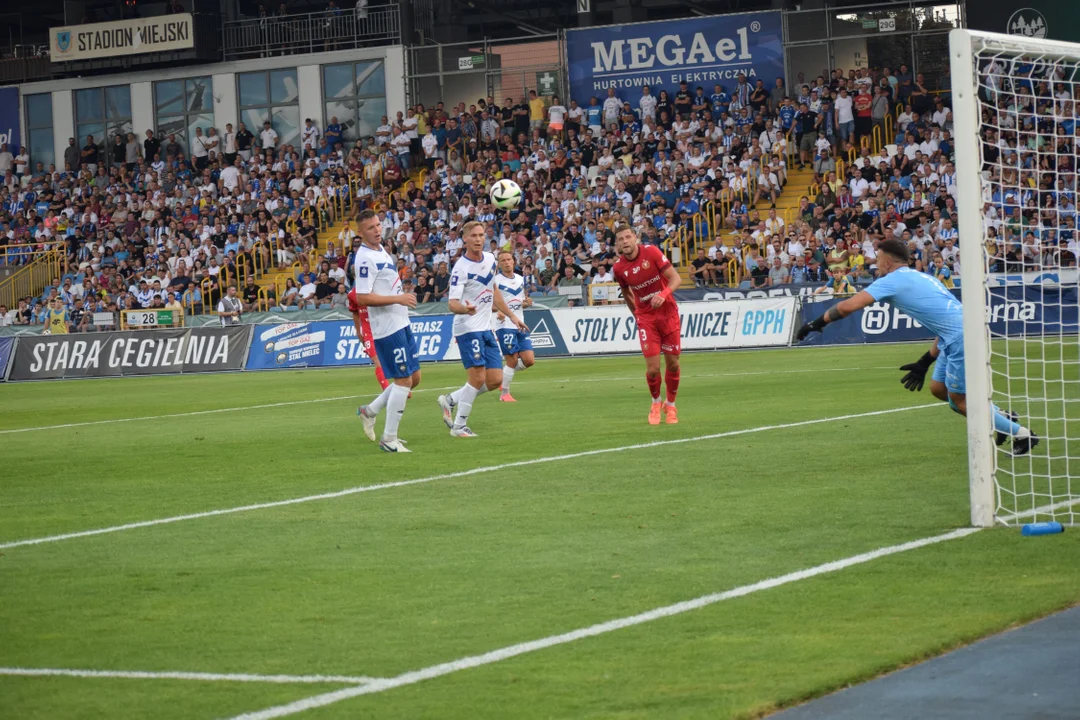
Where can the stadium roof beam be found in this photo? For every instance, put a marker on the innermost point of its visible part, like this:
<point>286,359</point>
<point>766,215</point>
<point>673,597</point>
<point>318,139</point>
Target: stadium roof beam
<point>509,19</point>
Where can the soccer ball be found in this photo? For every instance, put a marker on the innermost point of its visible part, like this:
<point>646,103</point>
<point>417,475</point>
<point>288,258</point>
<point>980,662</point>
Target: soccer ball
<point>506,194</point>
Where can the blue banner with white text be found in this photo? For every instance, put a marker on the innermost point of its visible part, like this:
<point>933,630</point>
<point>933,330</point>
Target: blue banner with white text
<point>334,343</point>
<point>702,51</point>
<point>1014,310</point>
<point>9,119</point>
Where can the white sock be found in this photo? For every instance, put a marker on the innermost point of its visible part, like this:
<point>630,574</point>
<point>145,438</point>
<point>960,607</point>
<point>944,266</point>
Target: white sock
<point>376,406</point>
<point>508,376</point>
<point>455,397</point>
<point>395,407</point>
<point>520,364</point>
<point>464,405</point>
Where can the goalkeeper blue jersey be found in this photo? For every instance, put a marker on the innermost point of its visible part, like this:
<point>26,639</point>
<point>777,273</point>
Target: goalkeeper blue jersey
<point>923,298</point>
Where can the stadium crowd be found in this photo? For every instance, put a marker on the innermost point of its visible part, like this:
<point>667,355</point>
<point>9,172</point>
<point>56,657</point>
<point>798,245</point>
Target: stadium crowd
<point>147,224</point>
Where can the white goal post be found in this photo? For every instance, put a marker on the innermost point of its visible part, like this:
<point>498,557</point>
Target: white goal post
<point>1019,293</point>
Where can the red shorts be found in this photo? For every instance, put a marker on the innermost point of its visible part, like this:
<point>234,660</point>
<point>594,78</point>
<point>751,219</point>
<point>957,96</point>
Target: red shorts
<point>659,334</point>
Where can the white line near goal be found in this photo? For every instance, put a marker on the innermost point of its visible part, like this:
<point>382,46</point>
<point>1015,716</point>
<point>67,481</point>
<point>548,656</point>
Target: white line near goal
<point>191,676</point>
<point>512,651</point>
<point>452,475</point>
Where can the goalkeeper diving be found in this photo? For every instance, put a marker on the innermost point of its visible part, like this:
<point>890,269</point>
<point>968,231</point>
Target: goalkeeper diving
<point>925,299</point>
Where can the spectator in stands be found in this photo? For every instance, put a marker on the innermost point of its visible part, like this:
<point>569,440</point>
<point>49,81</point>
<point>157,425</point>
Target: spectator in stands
<point>704,270</point>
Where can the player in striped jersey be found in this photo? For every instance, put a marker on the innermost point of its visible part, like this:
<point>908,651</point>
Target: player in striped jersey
<point>516,346</point>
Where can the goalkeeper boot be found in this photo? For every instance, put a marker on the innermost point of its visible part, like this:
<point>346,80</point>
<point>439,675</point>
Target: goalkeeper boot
<point>671,415</point>
<point>367,422</point>
<point>1000,438</point>
<point>1023,445</point>
<point>654,413</point>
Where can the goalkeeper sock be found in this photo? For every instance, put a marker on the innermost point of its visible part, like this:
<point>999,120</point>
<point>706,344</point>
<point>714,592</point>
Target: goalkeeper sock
<point>508,376</point>
<point>381,377</point>
<point>520,364</point>
<point>671,381</point>
<point>395,407</point>
<point>654,385</point>
<point>376,406</point>
<point>464,404</point>
<point>1004,425</point>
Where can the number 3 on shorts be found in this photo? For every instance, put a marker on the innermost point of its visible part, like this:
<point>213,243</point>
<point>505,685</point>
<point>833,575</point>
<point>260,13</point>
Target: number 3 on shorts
<point>476,346</point>
<point>641,333</point>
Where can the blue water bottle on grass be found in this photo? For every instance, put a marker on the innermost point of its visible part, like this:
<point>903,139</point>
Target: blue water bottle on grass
<point>1042,528</point>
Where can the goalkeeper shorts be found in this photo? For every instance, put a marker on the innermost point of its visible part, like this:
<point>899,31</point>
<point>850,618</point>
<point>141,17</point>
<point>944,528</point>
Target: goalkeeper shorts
<point>949,367</point>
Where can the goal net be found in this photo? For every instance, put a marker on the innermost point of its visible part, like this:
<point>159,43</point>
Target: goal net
<point>1016,110</point>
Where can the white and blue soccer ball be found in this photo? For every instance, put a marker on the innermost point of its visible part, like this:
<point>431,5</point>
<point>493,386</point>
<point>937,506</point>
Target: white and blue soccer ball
<point>506,194</point>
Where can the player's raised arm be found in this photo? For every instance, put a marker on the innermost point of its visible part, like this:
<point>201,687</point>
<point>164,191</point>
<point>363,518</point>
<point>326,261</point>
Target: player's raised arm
<point>839,311</point>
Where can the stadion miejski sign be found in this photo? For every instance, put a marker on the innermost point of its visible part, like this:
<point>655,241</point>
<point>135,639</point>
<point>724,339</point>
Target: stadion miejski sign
<point>125,37</point>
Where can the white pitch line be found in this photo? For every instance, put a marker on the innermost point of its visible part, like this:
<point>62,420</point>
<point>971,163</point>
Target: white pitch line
<point>1041,510</point>
<point>512,651</point>
<point>269,406</point>
<point>198,676</point>
<point>459,474</point>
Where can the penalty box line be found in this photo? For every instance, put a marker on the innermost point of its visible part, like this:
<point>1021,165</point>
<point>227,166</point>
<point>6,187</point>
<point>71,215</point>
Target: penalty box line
<point>511,651</point>
<point>195,676</point>
<point>452,475</point>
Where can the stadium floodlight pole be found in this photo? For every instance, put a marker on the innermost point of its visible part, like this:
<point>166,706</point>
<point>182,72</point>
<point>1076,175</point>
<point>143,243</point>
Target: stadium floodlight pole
<point>974,292</point>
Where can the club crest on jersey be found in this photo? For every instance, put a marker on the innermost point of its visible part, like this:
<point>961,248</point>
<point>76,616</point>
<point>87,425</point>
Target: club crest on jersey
<point>645,264</point>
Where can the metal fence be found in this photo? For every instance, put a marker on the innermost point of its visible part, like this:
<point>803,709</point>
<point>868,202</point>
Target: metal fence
<point>466,72</point>
<point>909,32</point>
<point>311,32</point>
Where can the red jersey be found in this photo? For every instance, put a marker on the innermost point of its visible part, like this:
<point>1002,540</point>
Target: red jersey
<point>643,277</point>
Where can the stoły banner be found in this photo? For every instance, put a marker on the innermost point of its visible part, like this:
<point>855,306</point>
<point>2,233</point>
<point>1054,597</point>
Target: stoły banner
<point>705,326</point>
<point>123,37</point>
<point>9,119</point>
<point>703,51</point>
<point>134,352</point>
<point>1031,311</point>
<point>334,342</point>
<point>6,345</point>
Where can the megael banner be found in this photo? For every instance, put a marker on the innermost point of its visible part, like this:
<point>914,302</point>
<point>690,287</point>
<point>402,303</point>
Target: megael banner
<point>702,51</point>
<point>124,37</point>
<point>9,119</point>
<point>705,326</point>
<point>332,343</point>
<point>6,345</point>
<point>132,352</point>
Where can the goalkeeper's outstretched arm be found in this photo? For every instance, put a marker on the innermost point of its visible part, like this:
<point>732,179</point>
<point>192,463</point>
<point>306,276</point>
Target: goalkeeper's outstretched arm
<point>841,310</point>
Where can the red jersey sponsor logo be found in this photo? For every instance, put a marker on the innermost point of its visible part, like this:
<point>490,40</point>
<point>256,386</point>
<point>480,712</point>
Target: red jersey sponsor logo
<point>646,271</point>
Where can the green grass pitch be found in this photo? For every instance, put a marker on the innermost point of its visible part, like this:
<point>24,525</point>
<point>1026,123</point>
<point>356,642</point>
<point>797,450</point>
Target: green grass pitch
<point>403,578</point>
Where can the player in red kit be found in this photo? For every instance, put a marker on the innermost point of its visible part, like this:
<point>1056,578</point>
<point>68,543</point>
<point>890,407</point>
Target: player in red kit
<point>648,281</point>
<point>363,334</point>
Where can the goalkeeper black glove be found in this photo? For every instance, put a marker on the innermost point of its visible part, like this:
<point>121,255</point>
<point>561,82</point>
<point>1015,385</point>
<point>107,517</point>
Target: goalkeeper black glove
<point>916,375</point>
<point>812,326</point>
